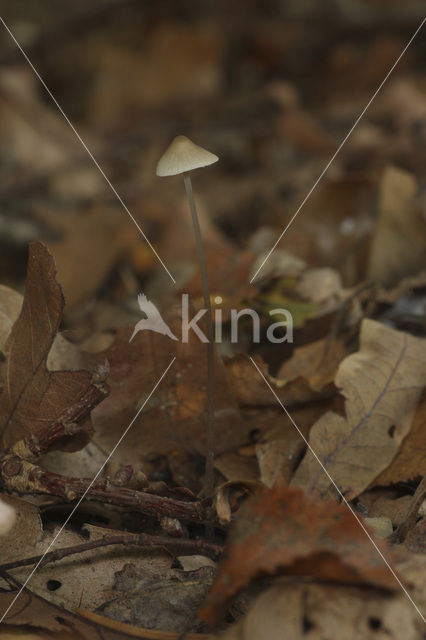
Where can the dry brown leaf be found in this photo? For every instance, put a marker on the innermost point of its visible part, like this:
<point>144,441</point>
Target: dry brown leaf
<point>277,459</point>
<point>173,419</point>
<point>399,242</point>
<point>410,460</point>
<point>10,307</point>
<point>31,613</point>
<point>158,598</point>
<point>235,467</point>
<point>251,391</point>
<point>284,531</point>
<point>34,135</point>
<point>230,494</point>
<point>416,537</point>
<point>96,568</point>
<point>380,527</point>
<point>176,63</point>
<point>62,355</point>
<point>383,502</point>
<point>314,611</point>
<point>33,396</point>
<point>382,384</point>
<point>24,538</point>
<point>316,362</point>
<point>87,251</point>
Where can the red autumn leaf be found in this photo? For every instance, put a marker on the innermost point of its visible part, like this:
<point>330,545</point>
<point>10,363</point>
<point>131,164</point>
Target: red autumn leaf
<point>284,531</point>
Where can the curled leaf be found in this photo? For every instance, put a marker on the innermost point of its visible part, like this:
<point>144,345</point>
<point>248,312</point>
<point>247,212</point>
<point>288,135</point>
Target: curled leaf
<point>284,531</point>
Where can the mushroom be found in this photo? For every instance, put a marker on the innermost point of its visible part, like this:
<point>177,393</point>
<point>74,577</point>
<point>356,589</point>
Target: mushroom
<point>182,156</point>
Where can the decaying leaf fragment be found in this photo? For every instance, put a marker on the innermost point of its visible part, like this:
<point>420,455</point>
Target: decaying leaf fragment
<point>33,396</point>
<point>282,530</point>
<point>399,242</point>
<point>325,611</point>
<point>382,384</point>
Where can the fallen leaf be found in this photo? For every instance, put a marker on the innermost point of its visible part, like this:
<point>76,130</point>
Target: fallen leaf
<point>416,537</point>
<point>174,417</point>
<point>25,536</point>
<point>320,286</point>
<point>385,502</point>
<point>235,467</point>
<point>399,241</point>
<point>316,362</point>
<point>319,611</point>
<point>87,250</point>
<point>157,598</point>
<point>35,137</point>
<point>33,396</point>
<point>381,527</point>
<point>251,391</point>
<point>382,384</point>
<point>230,494</point>
<point>277,459</point>
<point>10,307</point>
<point>410,460</point>
<point>194,50</point>
<point>62,355</point>
<point>31,613</point>
<point>283,531</point>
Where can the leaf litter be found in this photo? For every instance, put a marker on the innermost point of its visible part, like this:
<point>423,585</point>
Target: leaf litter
<point>138,561</point>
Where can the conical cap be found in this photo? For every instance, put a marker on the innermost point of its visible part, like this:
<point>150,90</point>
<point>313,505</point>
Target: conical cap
<point>183,155</point>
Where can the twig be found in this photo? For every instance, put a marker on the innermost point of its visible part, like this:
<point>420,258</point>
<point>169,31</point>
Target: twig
<point>176,546</point>
<point>67,424</point>
<point>19,474</point>
<point>409,521</point>
<point>27,478</point>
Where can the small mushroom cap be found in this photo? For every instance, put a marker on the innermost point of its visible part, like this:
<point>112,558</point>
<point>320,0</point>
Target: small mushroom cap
<point>183,155</point>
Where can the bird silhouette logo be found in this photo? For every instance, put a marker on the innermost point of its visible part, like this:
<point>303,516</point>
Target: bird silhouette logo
<point>153,320</point>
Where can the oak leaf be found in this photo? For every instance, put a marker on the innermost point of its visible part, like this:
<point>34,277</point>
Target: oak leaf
<point>410,461</point>
<point>382,384</point>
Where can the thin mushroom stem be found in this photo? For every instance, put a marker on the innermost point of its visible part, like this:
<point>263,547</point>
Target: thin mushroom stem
<point>209,475</point>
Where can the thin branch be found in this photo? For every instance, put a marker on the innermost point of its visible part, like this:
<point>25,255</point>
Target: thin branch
<point>27,478</point>
<point>176,546</point>
<point>400,533</point>
<point>19,474</point>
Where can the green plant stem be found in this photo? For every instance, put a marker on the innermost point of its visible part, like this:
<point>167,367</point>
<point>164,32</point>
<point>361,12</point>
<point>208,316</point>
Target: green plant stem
<point>209,477</point>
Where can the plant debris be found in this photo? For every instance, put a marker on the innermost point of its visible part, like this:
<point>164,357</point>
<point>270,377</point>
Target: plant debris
<point>312,430</point>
